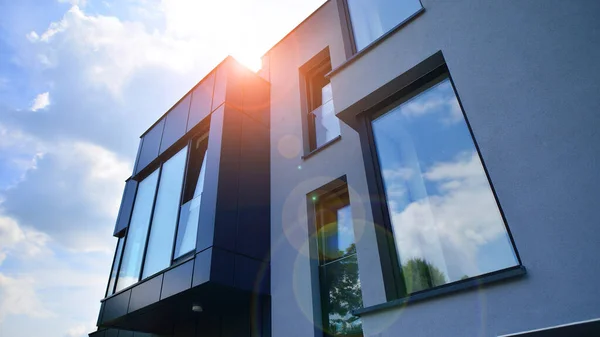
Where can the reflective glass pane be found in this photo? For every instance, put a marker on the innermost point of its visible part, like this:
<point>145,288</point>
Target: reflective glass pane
<point>446,223</point>
<point>164,220</point>
<point>115,268</point>
<point>327,125</point>
<point>373,18</point>
<point>189,217</point>
<point>340,286</point>
<point>336,234</point>
<point>137,233</point>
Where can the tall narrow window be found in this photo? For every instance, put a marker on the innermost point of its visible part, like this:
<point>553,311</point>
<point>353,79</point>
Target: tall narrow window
<point>323,125</point>
<point>133,252</point>
<point>115,268</point>
<point>164,219</point>
<point>338,266</point>
<point>373,18</point>
<point>444,217</point>
<point>192,195</point>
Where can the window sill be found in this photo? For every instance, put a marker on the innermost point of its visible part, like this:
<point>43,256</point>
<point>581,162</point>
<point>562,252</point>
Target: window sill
<point>374,44</point>
<point>321,148</point>
<point>472,283</point>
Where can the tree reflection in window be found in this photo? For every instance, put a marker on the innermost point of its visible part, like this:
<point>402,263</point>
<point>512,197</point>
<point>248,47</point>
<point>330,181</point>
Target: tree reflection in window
<point>338,267</point>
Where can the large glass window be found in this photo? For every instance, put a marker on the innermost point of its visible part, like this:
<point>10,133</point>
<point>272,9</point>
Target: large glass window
<point>190,209</point>
<point>138,230</point>
<point>373,18</point>
<point>338,266</point>
<point>164,220</point>
<point>445,220</point>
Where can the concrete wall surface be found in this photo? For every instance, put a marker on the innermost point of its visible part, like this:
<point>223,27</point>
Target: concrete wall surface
<point>527,75</point>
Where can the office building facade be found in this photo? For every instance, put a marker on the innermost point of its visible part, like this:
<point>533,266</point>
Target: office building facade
<point>422,168</point>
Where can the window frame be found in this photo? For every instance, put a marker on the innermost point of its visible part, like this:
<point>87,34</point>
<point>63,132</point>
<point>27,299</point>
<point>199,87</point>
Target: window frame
<point>330,190</point>
<point>200,132</point>
<point>351,51</point>
<point>320,64</point>
<point>111,290</point>
<point>198,137</point>
<point>392,274</point>
<point>348,28</point>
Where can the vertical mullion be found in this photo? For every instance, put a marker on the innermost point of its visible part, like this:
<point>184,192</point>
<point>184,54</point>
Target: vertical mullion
<point>150,221</point>
<point>347,29</point>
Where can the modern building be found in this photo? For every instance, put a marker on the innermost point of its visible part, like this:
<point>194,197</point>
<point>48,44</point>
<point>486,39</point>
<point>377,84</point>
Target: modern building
<point>396,168</point>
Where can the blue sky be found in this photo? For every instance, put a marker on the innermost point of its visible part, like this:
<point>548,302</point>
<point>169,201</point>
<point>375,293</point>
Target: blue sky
<point>79,82</point>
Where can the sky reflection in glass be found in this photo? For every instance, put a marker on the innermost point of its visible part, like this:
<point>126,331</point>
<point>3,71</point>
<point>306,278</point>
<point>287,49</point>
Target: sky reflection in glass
<point>164,220</point>
<point>190,216</point>
<point>373,18</point>
<point>131,264</point>
<point>446,223</point>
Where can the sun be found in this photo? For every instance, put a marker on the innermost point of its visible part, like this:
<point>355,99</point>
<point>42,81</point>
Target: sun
<point>249,60</point>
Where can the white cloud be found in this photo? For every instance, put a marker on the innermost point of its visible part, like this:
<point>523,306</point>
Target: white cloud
<point>114,50</point>
<point>440,100</point>
<point>20,242</point>
<point>82,185</point>
<point>41,101</point>
<point>450,227</point>
<point>17,296</point>
<point>32,36</point>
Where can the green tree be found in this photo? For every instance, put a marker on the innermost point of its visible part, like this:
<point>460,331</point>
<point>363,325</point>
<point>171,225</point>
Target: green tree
<point>420,275</point>
<point>344,295</point>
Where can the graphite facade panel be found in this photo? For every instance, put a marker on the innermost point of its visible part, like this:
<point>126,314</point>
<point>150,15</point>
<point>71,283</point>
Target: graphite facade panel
<point>177,280</point>
<point>175,123</point>
<point>226,214</point>
<point>253,192</point>
<point>200,106</point>
<point>145,293</point>
<point>220,87</point>
<point>126,207</point>
<point>116,306</point>
<point>150,146</point>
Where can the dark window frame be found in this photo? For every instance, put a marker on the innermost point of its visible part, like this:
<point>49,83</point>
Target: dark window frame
<point>200,131</point>
<point>351,51</point>
<point>391,95</point>
<point>109,292</point>
<point>200,137</point>
<point>331,190</point>
<point>316,68</point>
